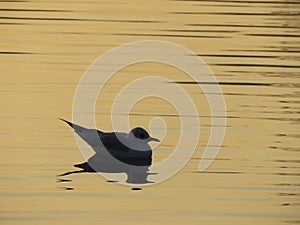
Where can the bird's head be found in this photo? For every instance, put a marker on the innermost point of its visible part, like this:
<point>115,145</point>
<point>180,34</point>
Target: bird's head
<point>142,135</point>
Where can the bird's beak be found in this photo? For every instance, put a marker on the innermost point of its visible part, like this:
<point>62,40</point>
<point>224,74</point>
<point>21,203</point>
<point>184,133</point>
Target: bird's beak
<point>154,139</point>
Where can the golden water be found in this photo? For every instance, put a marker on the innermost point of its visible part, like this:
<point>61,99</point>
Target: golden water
<point>251,46</point>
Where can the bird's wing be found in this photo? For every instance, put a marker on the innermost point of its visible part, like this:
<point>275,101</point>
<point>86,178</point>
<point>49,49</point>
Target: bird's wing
<point>111,141</point>
<point>119,147</point>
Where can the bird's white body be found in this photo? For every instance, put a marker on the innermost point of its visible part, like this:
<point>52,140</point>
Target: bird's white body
<point>131,144</point>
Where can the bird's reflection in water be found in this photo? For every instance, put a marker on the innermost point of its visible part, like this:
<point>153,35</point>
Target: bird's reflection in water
<point>115,153</point>
<point>136,169</point>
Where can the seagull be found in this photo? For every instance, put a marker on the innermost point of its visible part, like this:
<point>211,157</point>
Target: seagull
<point>117,152</point>
<point>132,145</point>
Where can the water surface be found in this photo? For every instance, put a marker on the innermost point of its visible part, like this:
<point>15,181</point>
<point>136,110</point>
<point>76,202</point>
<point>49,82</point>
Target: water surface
<point>251,46</point>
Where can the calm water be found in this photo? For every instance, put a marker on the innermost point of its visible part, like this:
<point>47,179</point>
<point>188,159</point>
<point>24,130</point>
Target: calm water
<point>251,46</point>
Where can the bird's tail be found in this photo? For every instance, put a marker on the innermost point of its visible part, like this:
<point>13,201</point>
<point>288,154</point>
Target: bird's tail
<point>90,136</point>
<point>73,125</point>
